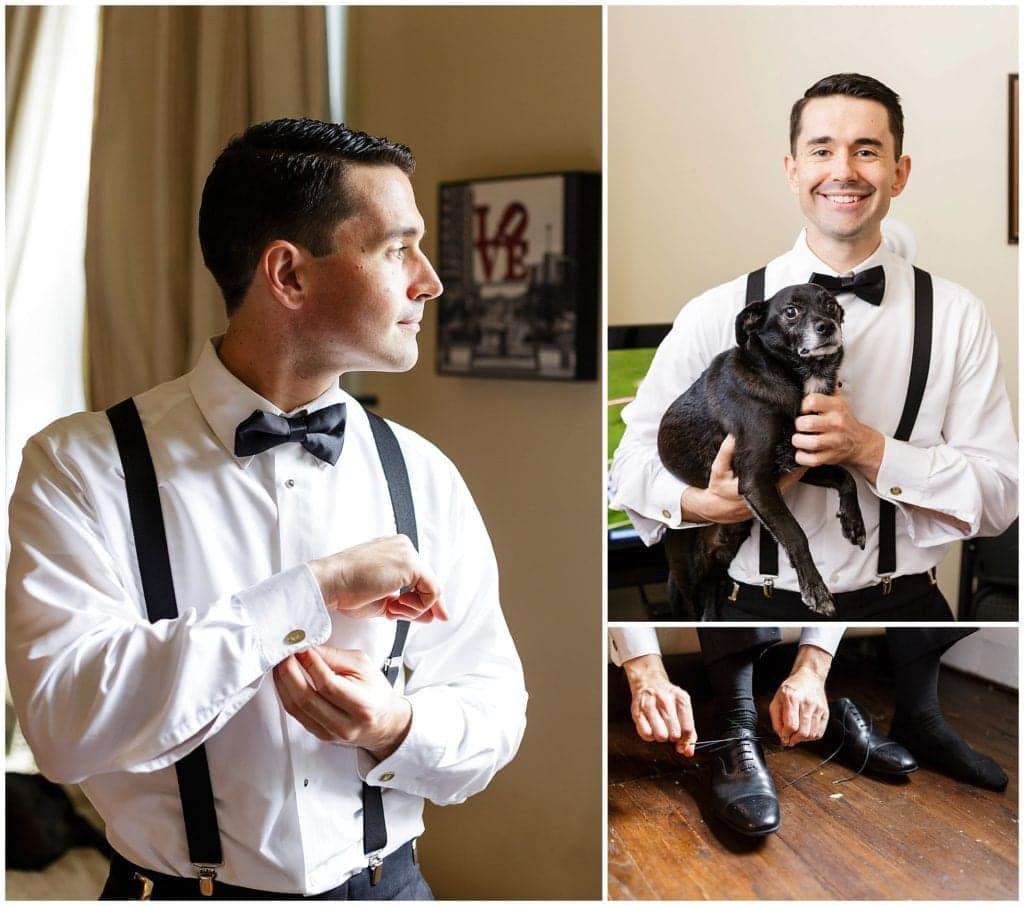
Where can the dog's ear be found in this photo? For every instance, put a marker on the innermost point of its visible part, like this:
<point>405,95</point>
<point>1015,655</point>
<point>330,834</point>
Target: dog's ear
<point>750,320</point>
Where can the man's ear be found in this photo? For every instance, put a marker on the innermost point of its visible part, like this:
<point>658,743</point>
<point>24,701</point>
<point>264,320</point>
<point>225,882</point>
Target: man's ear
<point>279,267</point>
<point>902,175</point>
<point>750,320</point>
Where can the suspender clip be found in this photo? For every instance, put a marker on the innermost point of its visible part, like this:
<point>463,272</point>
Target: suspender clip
<point>735,591</point>
<point>933,577</point>
<point>145,886</point>
<point>376,867</point>
<point>207,875</point>
<point>886,584</point>
<point>768,587</point>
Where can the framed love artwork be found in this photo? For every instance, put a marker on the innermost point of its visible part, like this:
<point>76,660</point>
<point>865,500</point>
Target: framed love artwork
<point>519,258</point>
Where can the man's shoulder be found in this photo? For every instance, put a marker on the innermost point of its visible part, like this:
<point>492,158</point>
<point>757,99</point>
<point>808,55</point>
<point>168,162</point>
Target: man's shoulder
<point>420,452</point>
<point>86,435</point>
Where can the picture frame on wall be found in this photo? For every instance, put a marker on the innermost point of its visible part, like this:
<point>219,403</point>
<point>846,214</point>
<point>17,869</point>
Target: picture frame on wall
<point>1014,179</point>
<point>519,257</point>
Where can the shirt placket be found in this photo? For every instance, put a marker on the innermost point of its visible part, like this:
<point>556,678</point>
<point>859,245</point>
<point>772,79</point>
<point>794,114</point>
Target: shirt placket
<point>297,481</point>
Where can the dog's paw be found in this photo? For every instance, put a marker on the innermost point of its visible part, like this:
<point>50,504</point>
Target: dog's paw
<point>819,600</point>
<point>853,527</point>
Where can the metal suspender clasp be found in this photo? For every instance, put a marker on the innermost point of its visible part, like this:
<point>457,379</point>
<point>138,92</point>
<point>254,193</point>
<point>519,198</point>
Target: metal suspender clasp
<point>933,576</point>
<point>735,591</point>
<point>886,584</point>
<point>768,588</point>
<point>376,867</point>
<point>207,875</point>
<point>145,886</point>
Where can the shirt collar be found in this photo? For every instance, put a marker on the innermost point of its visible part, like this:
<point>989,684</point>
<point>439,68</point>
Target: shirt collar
<point>806,261</point>
<point>225,401</point>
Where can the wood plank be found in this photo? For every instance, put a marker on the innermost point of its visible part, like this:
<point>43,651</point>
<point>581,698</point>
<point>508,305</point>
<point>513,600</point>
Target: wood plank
<point>922,837</point>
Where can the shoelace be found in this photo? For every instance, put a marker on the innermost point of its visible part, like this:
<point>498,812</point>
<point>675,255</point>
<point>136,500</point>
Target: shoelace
<point>746,751</point>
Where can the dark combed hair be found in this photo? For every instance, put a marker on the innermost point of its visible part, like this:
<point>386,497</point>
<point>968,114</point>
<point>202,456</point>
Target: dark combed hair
<point>283,179</point>
<point>854,85</point>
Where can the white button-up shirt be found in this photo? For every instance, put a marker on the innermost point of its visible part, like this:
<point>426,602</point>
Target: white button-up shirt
<point>628,642</point>
<point>111,701</point>
<point>961,458</point>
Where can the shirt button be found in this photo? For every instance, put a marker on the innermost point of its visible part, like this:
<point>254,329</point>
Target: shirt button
<point>667,514</point>
<point>834,578</point>
<point>290,483</point>
<point>896,491</point>
<point>294,637</point>
<point>384,778</point>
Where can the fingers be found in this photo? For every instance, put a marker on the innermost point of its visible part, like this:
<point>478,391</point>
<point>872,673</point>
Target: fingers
<point>665,715</point>
<point>818,402</point>
<point>797,718</point>
<point>301,701</point>
<point>721,467</point>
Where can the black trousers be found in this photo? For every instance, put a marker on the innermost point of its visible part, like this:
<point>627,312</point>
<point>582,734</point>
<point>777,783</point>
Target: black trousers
<point>401,880</point>
<point>913,598</point>
<point>905,645</point>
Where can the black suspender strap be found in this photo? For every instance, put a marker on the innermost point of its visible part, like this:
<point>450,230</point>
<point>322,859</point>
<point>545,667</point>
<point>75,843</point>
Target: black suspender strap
<point>375,834</point>
<point>769,550</point>
<point>919,365</point>
<point>197,804</point>
<point>150,536</point>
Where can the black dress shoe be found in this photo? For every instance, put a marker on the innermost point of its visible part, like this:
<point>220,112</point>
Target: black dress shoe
<point>742,792</point>
<point>860,747</point>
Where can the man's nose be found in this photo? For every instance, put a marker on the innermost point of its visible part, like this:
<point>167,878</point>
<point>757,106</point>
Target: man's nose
<point>427,285</point>
<point>842,166</point>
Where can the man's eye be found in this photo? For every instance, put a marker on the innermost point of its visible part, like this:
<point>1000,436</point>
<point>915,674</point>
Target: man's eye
<point>400,252</point>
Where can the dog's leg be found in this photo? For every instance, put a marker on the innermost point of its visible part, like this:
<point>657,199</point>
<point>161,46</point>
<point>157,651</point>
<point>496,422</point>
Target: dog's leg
<point>688,563</point>
<point>766,502</point>
<point>837,478</point>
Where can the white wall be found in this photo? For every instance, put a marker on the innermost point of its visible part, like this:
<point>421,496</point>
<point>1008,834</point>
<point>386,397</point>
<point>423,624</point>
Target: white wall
<point>990,654</point>
<point>698,115</point>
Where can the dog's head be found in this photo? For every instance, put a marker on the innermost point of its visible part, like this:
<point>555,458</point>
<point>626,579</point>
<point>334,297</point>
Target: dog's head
<point>803,321</point>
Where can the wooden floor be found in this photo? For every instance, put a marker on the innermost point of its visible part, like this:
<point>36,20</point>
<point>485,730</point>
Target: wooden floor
<point>921,837</point>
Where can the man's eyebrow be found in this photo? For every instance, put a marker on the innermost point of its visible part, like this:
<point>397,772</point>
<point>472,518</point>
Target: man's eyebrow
<point>406,232</point>
<point>828,140</point>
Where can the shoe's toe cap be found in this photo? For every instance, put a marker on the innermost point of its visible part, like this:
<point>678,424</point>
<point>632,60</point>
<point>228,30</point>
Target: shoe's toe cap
<point>753,815</point>
<point>892,758</point>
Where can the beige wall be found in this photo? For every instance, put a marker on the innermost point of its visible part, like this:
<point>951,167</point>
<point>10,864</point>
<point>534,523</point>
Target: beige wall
<point>698,111</point>
<point>493,92</point>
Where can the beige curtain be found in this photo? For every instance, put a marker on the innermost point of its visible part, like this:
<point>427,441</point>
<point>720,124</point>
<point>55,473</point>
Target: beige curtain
<point>174,84</point>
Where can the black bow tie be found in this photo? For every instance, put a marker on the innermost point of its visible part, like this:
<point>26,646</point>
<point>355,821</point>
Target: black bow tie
<point>869,284</point>
<point>321,432</point>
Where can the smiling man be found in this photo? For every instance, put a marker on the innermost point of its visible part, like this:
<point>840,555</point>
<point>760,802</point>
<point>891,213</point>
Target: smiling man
<point>260,737</point>
<point>922,416</point>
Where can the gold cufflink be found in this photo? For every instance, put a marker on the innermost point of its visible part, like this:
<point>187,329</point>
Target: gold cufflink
<point>294,637</point>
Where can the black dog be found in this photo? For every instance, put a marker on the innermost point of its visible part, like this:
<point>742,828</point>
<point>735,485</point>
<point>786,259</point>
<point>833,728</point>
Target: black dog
<point>788,346</point>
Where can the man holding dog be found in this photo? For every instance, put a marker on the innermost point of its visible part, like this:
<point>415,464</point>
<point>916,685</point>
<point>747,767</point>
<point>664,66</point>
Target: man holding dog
<point>952,477</point>
<point>261,740</point>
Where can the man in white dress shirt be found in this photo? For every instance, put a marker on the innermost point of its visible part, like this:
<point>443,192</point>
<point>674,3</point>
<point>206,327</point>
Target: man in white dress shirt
<point>954,478</point>
<point>287,568</point>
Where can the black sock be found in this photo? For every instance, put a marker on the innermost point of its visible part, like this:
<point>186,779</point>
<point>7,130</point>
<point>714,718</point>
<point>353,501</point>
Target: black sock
<point>732,687</point>
<point>919,725</point>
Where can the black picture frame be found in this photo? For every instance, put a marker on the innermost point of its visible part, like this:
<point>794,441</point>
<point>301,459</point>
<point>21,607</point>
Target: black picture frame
<point>1014,176</point>
<point>519,257</point>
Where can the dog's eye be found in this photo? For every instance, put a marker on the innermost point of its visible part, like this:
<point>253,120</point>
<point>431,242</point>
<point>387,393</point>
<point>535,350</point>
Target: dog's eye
<point>791,311</point>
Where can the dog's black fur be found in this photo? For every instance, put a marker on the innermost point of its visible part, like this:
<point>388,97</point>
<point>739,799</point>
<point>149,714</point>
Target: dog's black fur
<point>787,346</point>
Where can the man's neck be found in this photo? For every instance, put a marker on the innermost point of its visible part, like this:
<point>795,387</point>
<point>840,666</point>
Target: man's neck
<point>841,256</point>
<point>270,372</point>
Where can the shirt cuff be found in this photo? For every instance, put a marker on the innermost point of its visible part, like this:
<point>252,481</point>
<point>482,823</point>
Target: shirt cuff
<point>410,766</point>
<point>903,473</point>
<point>636,641</point>
<point>826,638</point>
<point>288,613</point>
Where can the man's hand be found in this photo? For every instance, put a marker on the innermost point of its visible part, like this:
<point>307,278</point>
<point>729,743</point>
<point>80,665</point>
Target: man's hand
<point>661,711</point>
<point>799,709</point>
<point>339,696</point>
<point>366,581</point>
<point>721,502</point>
<point>828,434</point>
